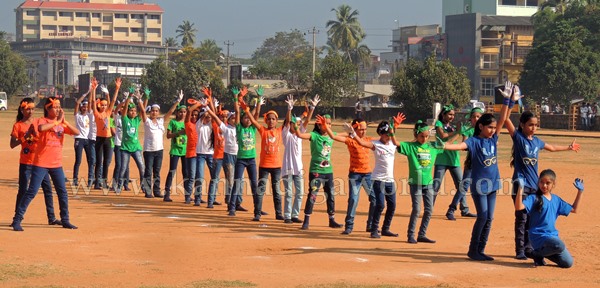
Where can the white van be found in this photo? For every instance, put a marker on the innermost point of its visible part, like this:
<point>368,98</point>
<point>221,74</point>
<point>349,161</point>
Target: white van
<point>3,101</point>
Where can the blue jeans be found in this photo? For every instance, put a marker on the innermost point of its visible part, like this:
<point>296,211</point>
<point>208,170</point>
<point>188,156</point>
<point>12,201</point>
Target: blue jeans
<point>263,177</point>
<point>250,166</point>
<point>118,167</point>
<point>80,145</point>
<point>24,180</point>
<point>418,194</point>
<point>554,249</point>
<point>38,174</point>
<point>457,177</point>
<point>188,182</point>
<point>173,161</point>
<point>139,162</point>
<point>228,169</point>
<point>384,191</point>
<point>214,181</point>
<point>485,203</point>
<point>292,209</point>
<point>355,181</point>
<point>315,180</point>
<point>103,158</point>
<point>153,162</point>
<point>199,177</point>
<point>92,144</point>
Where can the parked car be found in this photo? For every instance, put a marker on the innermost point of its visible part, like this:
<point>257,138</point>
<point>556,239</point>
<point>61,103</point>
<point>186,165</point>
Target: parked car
<point>3,101</point>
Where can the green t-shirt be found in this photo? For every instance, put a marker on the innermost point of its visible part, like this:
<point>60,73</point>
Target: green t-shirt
<point>448,158</point>
<point>112,125</point>
<point>421,158</point>
<point>179,143</point>
<point>467,131</point>
<point>320,153</point>
<point>246,138</point>
<point>130,142</point>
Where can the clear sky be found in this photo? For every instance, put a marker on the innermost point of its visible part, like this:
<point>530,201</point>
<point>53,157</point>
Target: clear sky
<point>249,23</point>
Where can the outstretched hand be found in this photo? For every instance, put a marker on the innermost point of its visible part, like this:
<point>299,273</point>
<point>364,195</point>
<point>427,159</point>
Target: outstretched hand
<point>243,104</point>
<point>348,128</point>
<point>578,184</point>
<point>208,92</point>
<point>147,92</point>
<point>235,91</point>
<point>574,146</point>
<point>118,82</point>
<point>315,101</point>
<point>439,143</point>
<point>180,96</point>
<point>398,119</point>
<point>290,101</point>
<point>260,91</point>
<point>507,92</point>
<point>103,89</point>
<point>517,93</point>
<point>320,120</point>
<point>244,91</point>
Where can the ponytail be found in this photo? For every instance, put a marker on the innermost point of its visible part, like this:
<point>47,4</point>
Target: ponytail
<point>539,200</point>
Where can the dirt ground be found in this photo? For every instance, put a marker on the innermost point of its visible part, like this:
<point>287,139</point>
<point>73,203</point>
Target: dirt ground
<point>130,241</point>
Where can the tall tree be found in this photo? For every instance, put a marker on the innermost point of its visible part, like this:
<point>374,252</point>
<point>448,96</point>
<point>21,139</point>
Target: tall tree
<point>345,32</point>
<point>160,79</point>
<point>187,33</point>
<point>13,72</point>
<point>335,80</point>
<point>420,84</point>
<point>209,50</point>
<point>171,42</point>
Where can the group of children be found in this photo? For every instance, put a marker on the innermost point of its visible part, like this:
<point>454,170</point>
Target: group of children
<point>224,140</point>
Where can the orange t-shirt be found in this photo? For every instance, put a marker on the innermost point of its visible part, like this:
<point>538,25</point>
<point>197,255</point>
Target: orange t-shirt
<point>102,124</point>
<point>192,135</point>
<point>359,156</point>
<point>49,150</point>
<point>270,156</point>
<point>28,146</point>
<point>219,145</point>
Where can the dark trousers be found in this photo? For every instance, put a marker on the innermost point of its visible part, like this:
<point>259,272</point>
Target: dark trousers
<point>24,180</point>
<point>103,158</point>
<point>384,192</point>
<point>81,145</point>
<point>38,174</point>
<point>240,165</point>
<point>173,161</point>
<point>521,221</point>
<point>263,177</point>
<point>153,162</point>
<point>315,181</point>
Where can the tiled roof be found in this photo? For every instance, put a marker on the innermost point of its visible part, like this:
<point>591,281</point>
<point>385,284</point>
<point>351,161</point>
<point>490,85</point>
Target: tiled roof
<point>30,4</point>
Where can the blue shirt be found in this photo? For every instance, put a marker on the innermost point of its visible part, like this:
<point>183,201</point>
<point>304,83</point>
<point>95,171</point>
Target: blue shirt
<point>484,164</point>
<point>526,159</point>
<point>541,224</point>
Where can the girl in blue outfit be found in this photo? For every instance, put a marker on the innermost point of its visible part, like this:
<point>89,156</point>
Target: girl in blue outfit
<point>543,209</point>
<point>526,147</point>
<point>482,160</point>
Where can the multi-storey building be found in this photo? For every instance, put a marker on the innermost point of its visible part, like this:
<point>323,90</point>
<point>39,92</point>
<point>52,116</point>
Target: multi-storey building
<point>101,19</point>
<point>489,7</point>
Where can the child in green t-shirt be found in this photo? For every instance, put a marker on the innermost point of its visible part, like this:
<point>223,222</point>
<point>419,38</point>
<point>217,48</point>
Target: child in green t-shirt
<point>176,132</point>
<point>130,143</point>
<point>421,157</point>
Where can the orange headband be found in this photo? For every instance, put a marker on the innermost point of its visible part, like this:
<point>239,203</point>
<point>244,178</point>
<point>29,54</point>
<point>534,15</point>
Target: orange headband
<point>52,103</point>
<point>270,112</point>
<point>26,105</point>
<point>358,124</point>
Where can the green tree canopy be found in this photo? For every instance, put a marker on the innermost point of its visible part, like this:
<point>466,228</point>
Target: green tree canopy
<point>171,42</point>
<point>345,32</point>
<point>187,33</point>
<point>335,80</point>
<point>13,75</point>
<point>564,63</point>
<point>209,50</point>
<point>420,84</point>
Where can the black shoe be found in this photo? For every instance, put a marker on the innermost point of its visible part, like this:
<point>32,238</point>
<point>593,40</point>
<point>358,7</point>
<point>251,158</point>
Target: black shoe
<point>68,225</point>
<point>537,260</point>
<point>424,239</point>
<point>16,225</point>
<point>347,232</point>
<point>388,233</point>
<point>333,224</point>
<point>305,224</point>
<point>468,214</point>
<point>279,217</point>
<point>167,199</point>
<point>450,216</point>
<point>209,206</point>
<point>157,195</point>
<point>256,218</point>
<point>287,221</point>
<point>296,220</point>
<point>521,256</point>
<point>375,235</point>
<point>202,201</point>
<point>240,208</point>
<point>54,222</point>
<point>475,256</point>
<point>216,203</point>
<point>231,213</point>
<point>263,213</point>
<point>411,240</point>
<point>149,196</point>
<point>486,257</point>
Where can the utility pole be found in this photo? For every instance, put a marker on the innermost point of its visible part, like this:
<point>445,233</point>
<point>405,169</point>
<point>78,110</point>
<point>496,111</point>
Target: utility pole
<point>314,56</point>
<point>228,43</point>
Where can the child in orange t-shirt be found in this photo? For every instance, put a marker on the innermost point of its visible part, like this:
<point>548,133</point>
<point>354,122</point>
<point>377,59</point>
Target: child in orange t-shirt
<point>23,133</point>
<point>47,160</point>
<point>102,111</point>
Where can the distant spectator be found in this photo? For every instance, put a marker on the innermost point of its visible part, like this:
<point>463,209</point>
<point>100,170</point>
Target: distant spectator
<point>592,110</point>
<point>583,113</point>
<point>545,108</point>
<point>358,109</point>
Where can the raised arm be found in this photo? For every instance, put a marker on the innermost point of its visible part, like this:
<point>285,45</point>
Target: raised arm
<point>288,116</point>
<point>321,122</point>
<point>188,116</point>
<point>214,116</point>
<point>253,120</point>
<point>172,109</point>
<point>361,142</point>
<point>556,148</point>
<point>510,93</point>
<point>80,99</point>
<point>519,200</point>
<point>112,102</point>
<point>305,136</point>
<point>93,95</point>
<point>579,185</point>
<point>142,107</point>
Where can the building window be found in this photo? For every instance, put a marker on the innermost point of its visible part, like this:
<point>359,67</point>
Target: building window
<point>81,28</point>
<point>153,30</point>
<point>137,16</point>
<point>65,14</point>
<point>120,16</point>
<point>32,13</point>
<point>136,30</point>
<point>487,86</point>
<point>107,18</point>
<point>81,14</point>
<point>508,2</point>
<point>96,29</point>
<point>107,33</point>
<point>489,61</point>
<point>154,17</point>
<point>49,13</point>
<point>96,15</point>
<point>121,30</point>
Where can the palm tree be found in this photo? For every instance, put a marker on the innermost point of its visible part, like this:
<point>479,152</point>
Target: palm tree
<point>345,33</point>
<point>209,49</point>
<point>187,33</point>
<point>361,55</point>
<point>171,42</point>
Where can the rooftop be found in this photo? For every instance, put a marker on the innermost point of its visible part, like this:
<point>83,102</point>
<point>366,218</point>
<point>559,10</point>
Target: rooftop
<point>49,5</point>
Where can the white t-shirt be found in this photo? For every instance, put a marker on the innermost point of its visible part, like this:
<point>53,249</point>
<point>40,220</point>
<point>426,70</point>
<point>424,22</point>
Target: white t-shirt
<point>204,146</point>
<point>82,122</point>
<point>229,134</point>
<point>292,155</point>
<point>118,130</point>
<point>153,134</point>
<point>384,161</point>
<point>93,129</point>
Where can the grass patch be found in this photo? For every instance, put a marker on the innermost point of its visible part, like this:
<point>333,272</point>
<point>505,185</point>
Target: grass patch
<point>539,280</point>
<point>18,271</point>
<point>350,285</point>
<point>209,283</point>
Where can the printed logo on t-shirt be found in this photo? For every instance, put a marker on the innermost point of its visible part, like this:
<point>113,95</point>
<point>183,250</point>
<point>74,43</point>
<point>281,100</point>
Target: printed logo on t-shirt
<point>424,157</point>
<point>532,155</point>
<point>180,140</point>
<point>247,141</point>
<point>131,130</point>
<point>59,131</point>
<point>271,145</point>
<point>325,152</point>
<point>490,159</point>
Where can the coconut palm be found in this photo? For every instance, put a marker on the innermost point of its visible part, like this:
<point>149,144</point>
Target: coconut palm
<point>345,33</point>
<point>209,49</point>
<point>171,42</point>
<point>187,33</point>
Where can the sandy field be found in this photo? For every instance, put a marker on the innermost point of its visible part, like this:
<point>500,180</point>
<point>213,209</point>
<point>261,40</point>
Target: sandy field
<point>131,241</point>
